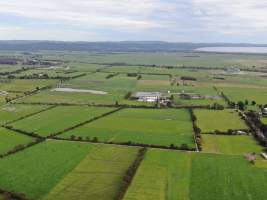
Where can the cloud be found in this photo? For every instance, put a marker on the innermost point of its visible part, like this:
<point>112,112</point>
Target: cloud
<point>171,20</point>
<point>123,13</point>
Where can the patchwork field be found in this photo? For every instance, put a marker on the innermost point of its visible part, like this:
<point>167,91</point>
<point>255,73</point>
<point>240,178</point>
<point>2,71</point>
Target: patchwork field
<point>78,88</point>
<point>10,112</point>
<point>190,176</point>
<point>58,119</point>
<point>145,126</point>
<point>225,144</point>
<point>9,140</point>
<point>98,176</point>
<point>222,120</point>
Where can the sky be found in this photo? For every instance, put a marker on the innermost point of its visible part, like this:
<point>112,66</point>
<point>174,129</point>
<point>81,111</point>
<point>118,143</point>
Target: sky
<point>233,21</point>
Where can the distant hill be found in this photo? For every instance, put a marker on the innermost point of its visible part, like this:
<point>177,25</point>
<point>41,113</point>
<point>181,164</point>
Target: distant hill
<point>127,46</point>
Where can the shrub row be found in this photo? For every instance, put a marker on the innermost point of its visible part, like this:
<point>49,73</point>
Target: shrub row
<point>31,134</point>
<point>85,122</point>
<point>32,114</point>
<point>228,132</point>
<point>128,177</point>
<point>252,120</point>
<point>183,147</point>
<point>197,130</point>
<point>12,196</point>
<point>21,147</point>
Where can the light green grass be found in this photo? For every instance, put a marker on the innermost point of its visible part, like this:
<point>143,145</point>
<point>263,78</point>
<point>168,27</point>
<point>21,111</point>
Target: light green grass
<point>36,170</point>
<point>9,140</point>
<point>230,144</point>
<point>12,112</point>
<point>226,177</point>
<point>99,176</point>
<point>161,175</point>
<point>222,120</point>
<point>145,126</point>
<point>58,119</point>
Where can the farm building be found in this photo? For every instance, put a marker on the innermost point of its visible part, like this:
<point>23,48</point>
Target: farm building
<point>233,70</point>
<point>264,155</point>
<point>146,96</point>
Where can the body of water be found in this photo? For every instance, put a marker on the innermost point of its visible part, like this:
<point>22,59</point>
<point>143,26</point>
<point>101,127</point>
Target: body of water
<point>262,50</point>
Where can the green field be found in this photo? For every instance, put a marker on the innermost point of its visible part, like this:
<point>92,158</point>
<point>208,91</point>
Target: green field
<point>9,140</point>
<point>10,112</point>
<point>162,175</point>
<point>225,144</point>
<point>51,73</point>
<point>73,98</point>
<point>36,170</point>
<point>98,81</point>
<point>93,157</point>
<point>58,119</point>
<point>98,176</point>
<point>226,177</point>
<point>145,126</point>
<point>222,120</point>
<point>235,94</point>
<point>25,85</point>
<point>190,176</point>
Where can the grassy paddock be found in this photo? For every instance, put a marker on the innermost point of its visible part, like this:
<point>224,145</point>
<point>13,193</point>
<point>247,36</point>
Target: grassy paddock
<point>12,112</point>
<point>143,126</point>
<point>230,144</point>
<point>58,119</point>
<point>222,120</point>
<point>25,85</point>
